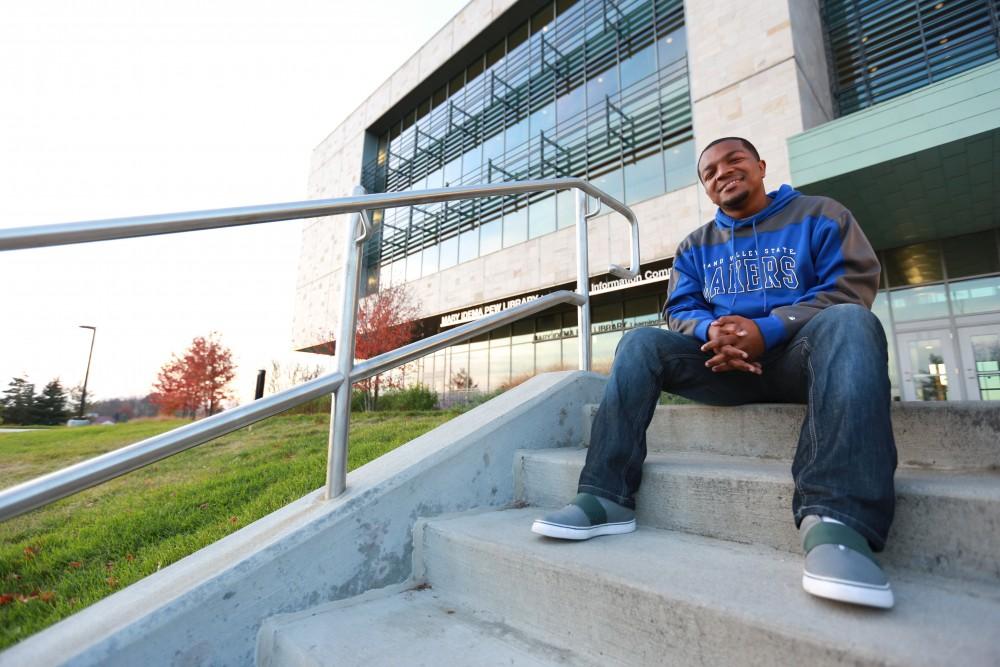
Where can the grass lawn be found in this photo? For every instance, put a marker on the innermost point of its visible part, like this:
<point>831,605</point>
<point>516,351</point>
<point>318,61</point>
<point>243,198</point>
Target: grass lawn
<point>59,559</point>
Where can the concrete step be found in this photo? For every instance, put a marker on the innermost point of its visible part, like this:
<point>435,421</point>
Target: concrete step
<point>959,435</point>
<point>946,523</point>
<point>658,597</point>
<point>415,627</point>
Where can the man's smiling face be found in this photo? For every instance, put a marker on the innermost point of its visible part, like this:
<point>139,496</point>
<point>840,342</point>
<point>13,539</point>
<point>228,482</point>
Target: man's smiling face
<point>733,178</point>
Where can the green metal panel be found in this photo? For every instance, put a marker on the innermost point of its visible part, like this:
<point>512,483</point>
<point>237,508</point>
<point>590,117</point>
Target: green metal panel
<point>962,106</point>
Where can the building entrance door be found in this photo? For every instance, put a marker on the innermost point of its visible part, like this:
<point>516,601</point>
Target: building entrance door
<point>980,349</point>
<point>928,364</point>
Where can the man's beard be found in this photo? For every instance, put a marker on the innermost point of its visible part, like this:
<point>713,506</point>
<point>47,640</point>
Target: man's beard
<point>736,200</point>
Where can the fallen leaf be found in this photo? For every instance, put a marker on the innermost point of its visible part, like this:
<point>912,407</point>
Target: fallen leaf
<point>109,565</point>
<point>6,598</point>
<point>203,506</point>
<point>233,520</point>
<point>29,553</point>
<point>112,582</point>
<point>46,596</point>
<point>75,564</point>
<point>13,576</point>
<point>129,557</point>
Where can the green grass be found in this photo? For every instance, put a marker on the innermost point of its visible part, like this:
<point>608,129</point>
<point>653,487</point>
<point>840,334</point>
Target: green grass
<point>61,558</point>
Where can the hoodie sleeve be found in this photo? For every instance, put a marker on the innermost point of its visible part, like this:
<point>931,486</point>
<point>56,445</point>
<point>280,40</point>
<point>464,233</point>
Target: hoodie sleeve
<point>686,310</point>
<point>847,271</point>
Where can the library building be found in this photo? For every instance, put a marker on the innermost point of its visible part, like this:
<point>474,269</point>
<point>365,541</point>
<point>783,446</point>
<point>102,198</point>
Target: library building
<point>890,107</point>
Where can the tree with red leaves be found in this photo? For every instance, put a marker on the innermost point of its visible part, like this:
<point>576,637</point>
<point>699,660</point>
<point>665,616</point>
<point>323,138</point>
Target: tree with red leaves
<point>385,322</point>
<point>197,382</point>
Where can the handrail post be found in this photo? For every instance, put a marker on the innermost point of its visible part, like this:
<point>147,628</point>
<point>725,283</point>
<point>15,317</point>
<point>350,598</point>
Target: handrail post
<point>340,410</point>
<point>582,279</point>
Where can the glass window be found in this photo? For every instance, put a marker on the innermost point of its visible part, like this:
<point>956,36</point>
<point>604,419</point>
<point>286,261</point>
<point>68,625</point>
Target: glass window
<point>638,66</point>
<point>930,375</point>
<point>517,136</point>
<point>430,261</point>
<point>548,356</point>
<point>644,178</point>
<point>435,179</point>
<point>881,310</point>
<point>611,183</point>
<point>542,217</point>
<point>603,350</point>
<point>449,252</point>
<point>517,37</point>
<point>672,47</point>
<point>566,205</point>
<point>489,237</point>
<point>919,303</point>
<point>601,86</point>
<point>542,120</point>
<point>986,354</point>
<point>472,160</point>
<point>570,106</point>
<point>522,361</point>
<point>453,171</point>
<point>468,245</point>
<point>499,363</point>
<point>914,264</point>
<point>440,95</point>
<point>414,264</point>
<point>541,18</point>
<point>971,255</point>
<point>479,367</point>
<point>975,296</point>
<point>515,226</point>
<point>495,54</point>
<point>458,366</point>
<point>571,352</point>
<point>680,165</point>
<point>642,310</point>
<point>522,331</point>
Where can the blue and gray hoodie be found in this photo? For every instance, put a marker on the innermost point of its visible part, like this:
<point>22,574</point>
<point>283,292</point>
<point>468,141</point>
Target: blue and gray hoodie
<point>779,267</point>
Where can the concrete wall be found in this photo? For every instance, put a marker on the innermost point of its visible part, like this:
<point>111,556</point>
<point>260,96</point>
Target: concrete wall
<point>207,608</point>
<point>759,71</point>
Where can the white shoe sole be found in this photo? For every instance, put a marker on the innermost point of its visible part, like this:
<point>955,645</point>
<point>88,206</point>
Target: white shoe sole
<point>851,592</point>
<point>563,532</point>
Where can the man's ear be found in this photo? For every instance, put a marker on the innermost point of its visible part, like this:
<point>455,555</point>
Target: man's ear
<point>763,169</point>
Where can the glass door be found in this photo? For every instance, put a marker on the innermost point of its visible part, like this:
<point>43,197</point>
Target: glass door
<point>980,348</point>
<point>928,364</point>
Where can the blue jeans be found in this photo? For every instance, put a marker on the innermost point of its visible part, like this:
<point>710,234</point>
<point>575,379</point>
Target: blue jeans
<point>836,364</point>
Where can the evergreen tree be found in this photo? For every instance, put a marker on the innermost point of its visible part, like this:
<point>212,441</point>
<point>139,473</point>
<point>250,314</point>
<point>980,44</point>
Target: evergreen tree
<point>50,405</point>
<point>17,403</point>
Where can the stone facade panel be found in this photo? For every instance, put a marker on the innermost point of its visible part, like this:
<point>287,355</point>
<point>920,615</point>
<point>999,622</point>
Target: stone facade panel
<point>728,44</point>
<point>470,21</point>
<point>435,52</point>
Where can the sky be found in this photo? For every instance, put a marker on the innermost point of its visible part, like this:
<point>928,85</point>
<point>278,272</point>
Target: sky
<point>116,108</point>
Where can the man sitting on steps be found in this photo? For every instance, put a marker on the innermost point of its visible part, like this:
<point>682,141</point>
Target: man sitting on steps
<point>769,302</point>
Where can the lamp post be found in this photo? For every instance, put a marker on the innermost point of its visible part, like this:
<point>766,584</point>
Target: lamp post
<point>83,396</point>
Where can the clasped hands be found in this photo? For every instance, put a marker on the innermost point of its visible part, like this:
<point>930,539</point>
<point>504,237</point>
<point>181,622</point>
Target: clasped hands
<point>735,344</point>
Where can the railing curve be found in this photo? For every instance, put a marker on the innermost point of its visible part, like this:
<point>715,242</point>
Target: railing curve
<point>48,488</point>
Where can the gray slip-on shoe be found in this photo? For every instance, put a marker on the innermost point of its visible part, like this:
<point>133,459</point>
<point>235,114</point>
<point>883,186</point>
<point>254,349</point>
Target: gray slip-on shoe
<point>840,565</point>
<point>585,517</point>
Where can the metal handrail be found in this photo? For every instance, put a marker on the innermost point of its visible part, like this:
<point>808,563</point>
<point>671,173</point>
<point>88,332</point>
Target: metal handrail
<point>56,485</point>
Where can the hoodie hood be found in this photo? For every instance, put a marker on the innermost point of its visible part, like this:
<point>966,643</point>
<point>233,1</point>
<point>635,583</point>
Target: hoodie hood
<point>779,199</point>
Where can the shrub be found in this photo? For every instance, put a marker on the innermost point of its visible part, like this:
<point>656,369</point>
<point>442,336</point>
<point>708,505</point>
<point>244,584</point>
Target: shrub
<point>418,397</point>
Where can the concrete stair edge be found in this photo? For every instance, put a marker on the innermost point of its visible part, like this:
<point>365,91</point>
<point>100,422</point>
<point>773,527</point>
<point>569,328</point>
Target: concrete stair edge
<point>961,435</point>
<point>399,625</point>
<point>690,600</point>
<point>946,524</point>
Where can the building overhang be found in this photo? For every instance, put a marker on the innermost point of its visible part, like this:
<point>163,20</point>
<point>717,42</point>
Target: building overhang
<point>925,165</point>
